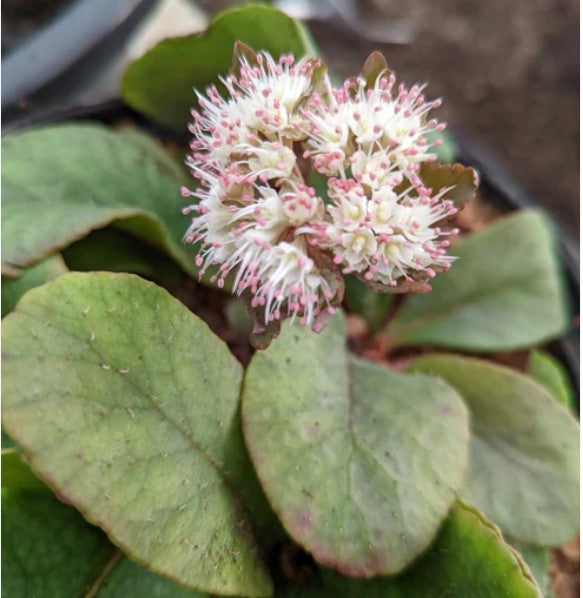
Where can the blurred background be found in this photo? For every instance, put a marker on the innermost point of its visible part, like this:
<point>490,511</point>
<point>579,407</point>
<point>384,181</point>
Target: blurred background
<point>507,70</point>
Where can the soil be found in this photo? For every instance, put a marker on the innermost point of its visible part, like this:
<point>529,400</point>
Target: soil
<point>509,76</point>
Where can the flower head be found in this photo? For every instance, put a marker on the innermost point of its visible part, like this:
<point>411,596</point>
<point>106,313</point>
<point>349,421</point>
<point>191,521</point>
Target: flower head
<point>257,218</point>
<point>252,198</point>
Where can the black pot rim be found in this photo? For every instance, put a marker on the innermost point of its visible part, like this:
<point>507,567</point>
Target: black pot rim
<point>494,176</point>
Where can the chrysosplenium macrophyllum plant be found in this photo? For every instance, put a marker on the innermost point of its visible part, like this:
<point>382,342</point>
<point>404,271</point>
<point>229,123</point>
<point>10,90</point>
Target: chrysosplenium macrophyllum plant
<point>150,450</point>
<point>258,218</point>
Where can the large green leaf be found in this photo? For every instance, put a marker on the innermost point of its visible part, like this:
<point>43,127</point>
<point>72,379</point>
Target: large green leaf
<point>43,271</point>
<point>524,457</point>
<point>551,373</point>
<point>504,292</point>
<point>47,549</point>
<point>360,463</point>
<point>468,559</point>
<point>79,177</point>
<point>160,84</point>
<point>130,410</point>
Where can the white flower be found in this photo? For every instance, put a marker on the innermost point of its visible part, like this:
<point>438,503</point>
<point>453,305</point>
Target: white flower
<point>269,160</point>
<point>253,201</point>
<point>292,279</point>
<point>380,130</point>
<point>269,93</point>
<point>255,216</point>
<point>387,238</point>
<point>375,171</point>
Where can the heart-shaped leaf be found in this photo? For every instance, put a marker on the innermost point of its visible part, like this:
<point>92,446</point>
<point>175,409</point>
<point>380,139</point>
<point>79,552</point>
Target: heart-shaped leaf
<point>47,548</point>
<point>469,558</point>
<point>504,292</point>
<point>43,271</point>
<point>360,463</point>
<point>551,373</point>
<point>79,177</point>
<point>524,455</point>
<point>160,84</point>
<point>130,410</point>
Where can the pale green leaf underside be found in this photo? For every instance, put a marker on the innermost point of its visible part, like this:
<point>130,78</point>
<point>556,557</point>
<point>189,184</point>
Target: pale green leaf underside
<point>524,455</point>
<point>505,291</point>
<point>468,559</point>
<point>360,463</point>
<point>128,410</point>
<point>160,83</point>
<point>79,177</point>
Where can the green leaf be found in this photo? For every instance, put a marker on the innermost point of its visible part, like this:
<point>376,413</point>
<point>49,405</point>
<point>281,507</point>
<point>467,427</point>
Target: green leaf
<point>447,152</point>
<point>47,548</point>
<point>538,561</point>
<point>504,292</point>
<point>172,165</point>
<point>360,463</point>
<point>130,410</point>
<point>362,300</point>
<point>6,441</point>
<point>160,83</point>
<point>524,455</point>
<point>128,579</point>
<point>551,373</point>
<point>79,177</point>
<point>43,271</point>
<point>115,251</point>
<point>16,472</point>
<point>469,558</point>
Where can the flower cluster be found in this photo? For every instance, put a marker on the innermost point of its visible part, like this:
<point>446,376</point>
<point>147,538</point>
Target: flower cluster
<point>265,231</point>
